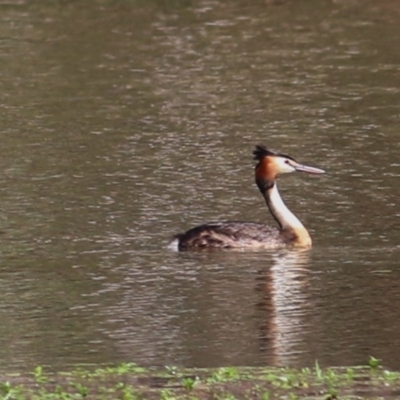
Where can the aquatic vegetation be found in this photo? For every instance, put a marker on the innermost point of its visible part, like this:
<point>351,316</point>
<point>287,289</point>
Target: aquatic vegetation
<point>132,382</point>
<point>374,362</point>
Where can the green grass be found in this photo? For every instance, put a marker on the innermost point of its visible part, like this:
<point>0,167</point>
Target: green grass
<point>131,382</point>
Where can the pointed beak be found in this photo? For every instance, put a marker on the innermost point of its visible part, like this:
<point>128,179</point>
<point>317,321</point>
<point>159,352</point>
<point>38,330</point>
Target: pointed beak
<point>309,170</point>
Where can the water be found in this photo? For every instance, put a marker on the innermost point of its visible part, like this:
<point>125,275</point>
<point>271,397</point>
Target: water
<point>124,123</point>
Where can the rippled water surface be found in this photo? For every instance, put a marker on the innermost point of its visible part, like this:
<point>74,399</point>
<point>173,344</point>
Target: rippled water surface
<point>123,123</point>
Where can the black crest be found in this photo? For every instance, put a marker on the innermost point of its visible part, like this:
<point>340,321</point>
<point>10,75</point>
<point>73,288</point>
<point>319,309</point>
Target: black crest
<point>261,151</point>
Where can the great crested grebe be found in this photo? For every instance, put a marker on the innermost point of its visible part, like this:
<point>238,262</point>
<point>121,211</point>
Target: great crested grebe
<point>236,235</point>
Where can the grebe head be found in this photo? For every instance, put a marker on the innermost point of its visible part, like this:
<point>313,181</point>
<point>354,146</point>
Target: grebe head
<point>271,164</point>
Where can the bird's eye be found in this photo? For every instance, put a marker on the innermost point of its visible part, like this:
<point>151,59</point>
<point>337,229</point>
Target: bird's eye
<point>287,161</point>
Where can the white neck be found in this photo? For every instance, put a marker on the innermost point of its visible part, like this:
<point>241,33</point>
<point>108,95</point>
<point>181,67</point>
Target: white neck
<point>285,218</point>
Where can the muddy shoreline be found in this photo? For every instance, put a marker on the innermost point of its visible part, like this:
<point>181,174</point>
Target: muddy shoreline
<point>130,382</point>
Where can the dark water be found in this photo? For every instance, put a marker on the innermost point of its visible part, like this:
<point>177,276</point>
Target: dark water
<point>123,123</point>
